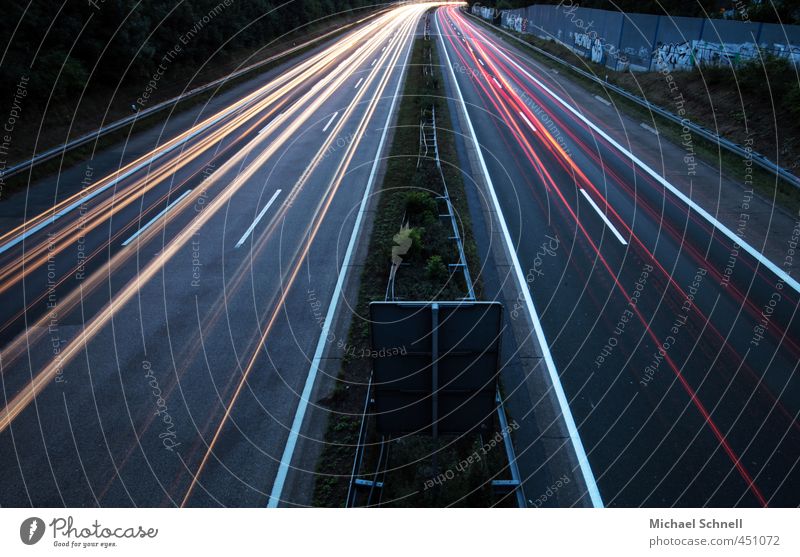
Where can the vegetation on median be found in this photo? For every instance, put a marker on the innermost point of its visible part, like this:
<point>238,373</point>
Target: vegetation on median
<point>407,217</point>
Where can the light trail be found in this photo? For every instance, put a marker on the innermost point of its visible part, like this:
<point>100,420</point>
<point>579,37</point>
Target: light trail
<point>293,119</point>
<point>270,97</point>
<point>565,161</point>
<point>316,97</point>
<point>299,261</point>
<point>501,102</point>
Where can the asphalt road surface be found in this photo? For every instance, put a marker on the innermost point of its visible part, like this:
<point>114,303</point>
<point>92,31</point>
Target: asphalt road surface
<point>676,343</point>
<point>158,326</point>
<point>161,327</point>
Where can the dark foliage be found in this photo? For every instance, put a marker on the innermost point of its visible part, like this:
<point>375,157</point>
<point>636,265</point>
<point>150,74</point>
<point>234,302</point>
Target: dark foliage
<point>65,45</point>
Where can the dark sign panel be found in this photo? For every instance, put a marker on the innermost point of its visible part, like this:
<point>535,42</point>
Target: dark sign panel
<point>436,365</point>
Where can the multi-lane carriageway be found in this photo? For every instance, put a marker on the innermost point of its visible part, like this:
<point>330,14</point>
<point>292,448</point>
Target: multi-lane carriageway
<point>135,313</point>
<point>159,347</point>
<point>680,393</point>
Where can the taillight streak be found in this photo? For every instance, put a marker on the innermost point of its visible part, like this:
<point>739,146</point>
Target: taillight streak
<point>536,162</point>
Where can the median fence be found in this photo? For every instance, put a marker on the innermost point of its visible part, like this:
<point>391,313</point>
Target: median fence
<point>745,152</point>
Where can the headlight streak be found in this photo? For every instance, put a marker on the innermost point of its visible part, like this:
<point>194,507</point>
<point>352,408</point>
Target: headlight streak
<point>128,195</point>
<point>238,113</point>
<point>299,259</point>
<point>28,393</point>
<point>759,270</point>
<point>197,345</point>
<point>565,161</point>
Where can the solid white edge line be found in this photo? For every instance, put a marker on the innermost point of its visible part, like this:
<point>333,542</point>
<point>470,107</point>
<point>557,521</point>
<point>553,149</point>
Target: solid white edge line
<point>528,121</point>
<point>257,219</point>
<point>155,218</point>
<point>661,180</point>
<point>294,432</point>
<point>359,82</point>
<point>651,129</point>
<point>335,114</point>
<point>604,217</point>
<point>577,444</point>
<point>602,100</point>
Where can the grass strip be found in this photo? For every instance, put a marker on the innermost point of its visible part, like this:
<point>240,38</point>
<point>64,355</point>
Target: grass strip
<point>461,470</point>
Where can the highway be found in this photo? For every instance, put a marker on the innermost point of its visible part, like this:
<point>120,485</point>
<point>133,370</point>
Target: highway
<point>162,329</point>
<point>674,343</point>
<point>156,328</point>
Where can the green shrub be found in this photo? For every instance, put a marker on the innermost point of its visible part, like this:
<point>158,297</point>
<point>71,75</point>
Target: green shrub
<point>419,201</point>
<point>416,237</point>
<point>754,74</point>
<point>420,207</point>
<point>435,268</point>
<point>792,101</point>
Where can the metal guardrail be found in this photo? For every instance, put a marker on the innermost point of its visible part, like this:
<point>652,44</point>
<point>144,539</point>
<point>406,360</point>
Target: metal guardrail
<point>462,258</point>
<point>362,482</point>
<point>735,148</point>
<point>123,122</point>
<point>516,479</point>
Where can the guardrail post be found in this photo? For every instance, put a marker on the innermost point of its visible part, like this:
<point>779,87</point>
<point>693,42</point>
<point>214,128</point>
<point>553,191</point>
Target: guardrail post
<point>435,371</point>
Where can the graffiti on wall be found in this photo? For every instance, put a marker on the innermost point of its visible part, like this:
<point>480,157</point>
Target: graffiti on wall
<point>638,54</point>
<point>687,54</point>
<point>591,43</point>
<point>516,22</point>
<point>675,56</point>
<point>484,12</point>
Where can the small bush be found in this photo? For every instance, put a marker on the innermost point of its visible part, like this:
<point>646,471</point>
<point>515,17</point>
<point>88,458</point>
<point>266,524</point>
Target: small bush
<point>435,268</point>
<point>792,101</point>
<point>420,207</point>
<point>419,201</point>
<point>416,235</point>
<point>754,74</point>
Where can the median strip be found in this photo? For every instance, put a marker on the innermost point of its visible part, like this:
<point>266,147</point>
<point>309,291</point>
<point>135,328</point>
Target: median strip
<point>411,256</point>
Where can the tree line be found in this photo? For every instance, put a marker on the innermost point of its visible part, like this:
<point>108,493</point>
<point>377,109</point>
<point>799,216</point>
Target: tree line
<point>64,45</point>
